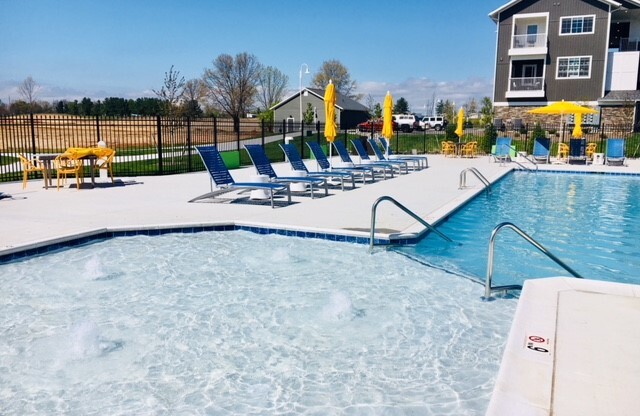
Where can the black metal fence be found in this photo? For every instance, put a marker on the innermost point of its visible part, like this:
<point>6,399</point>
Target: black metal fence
<point>160,145</point>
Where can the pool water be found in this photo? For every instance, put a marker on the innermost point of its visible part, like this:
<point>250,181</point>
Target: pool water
<point>235,323</point>
<point>590,222</point>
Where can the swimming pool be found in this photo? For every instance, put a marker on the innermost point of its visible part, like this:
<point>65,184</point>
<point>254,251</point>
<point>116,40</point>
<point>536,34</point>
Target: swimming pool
<point>237,323</point>
<point>590,222</point>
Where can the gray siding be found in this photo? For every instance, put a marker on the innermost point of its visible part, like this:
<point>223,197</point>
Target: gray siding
<point>593,45</point>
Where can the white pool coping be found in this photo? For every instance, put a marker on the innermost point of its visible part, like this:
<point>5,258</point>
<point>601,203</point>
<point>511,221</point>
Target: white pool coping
<point>573,349</point>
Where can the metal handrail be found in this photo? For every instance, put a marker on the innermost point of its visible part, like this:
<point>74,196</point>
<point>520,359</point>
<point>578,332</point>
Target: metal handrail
<point>476,172</point>
<point>406,210</point>
<point>487,286</point>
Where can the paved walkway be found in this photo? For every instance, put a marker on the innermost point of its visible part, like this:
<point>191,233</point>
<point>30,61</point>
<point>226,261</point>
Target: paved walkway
<point>35,216</point>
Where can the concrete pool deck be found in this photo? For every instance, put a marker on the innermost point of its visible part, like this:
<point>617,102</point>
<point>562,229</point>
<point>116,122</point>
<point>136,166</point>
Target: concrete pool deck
<point>36,217</point>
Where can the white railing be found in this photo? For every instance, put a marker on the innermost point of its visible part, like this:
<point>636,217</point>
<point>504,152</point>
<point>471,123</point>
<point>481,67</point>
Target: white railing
<point>538,40</point>
<point>526,84</point>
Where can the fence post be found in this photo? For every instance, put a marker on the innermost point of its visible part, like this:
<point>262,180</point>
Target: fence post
<point>262,131</point>
<point>318,131</point>
<point>236,123</point>
<point>189,167</point>
<point>159,127</point>
<point>284,129</point>
<point>98,126</point>
<point>215,131</point>
<point>33,134</point>
<point>301,139</point>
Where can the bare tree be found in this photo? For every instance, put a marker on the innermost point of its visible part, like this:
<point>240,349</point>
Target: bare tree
<point>272,85</point>
<point>232,83</point>
<point>172,91</point>
<point>334,70</point>
<point>29,90</point>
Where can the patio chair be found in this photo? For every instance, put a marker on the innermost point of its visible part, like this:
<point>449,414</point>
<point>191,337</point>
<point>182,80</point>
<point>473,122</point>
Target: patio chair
<point>263,167</point>
<point>541,149</point>
<point>383,153</point>
<point>502,151</point>
<point>421,161</point>
<point>563,151</point>
<point>346,158</point>
<point>224,181</point>
<point>30,166</point>
<point>448,148</point>
<point>469,149</point>
<point>615,152</point>
<point>577,154</point>
<point>296,162</point>
<point>380,156</point>
<point>65,166</point>
<point>325,165</point>
<point>364,157</point>
<point>591,149</point>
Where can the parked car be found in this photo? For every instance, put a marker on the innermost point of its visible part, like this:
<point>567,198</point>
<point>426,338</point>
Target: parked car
<point>433,122</point>
<point>366,126</point>
<point>405,122</point>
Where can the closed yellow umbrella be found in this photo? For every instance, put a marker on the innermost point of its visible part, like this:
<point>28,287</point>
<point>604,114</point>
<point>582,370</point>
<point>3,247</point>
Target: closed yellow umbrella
<point>330,114</point>
<point>577,129</point>
<point>387,117</point>
<point>460,128</point>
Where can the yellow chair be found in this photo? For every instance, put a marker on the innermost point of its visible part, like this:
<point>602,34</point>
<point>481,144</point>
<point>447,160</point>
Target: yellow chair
<point>469,149</point>
<point>563,151</point>
<point>106,164</point>
<point>591,149</point>
<point>66,166</point>
<point>448,148</point>
<point>30,166</point>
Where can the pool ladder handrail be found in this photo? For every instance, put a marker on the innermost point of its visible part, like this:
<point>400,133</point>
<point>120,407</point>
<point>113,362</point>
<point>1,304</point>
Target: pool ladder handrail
<point>480,176</point>
<point>374,207</point>
<point>487,285</point>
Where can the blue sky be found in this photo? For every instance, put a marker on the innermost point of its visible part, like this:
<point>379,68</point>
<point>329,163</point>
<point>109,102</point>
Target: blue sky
<point>122,48</point>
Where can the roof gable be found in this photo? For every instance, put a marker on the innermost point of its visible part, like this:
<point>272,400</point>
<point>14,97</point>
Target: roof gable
<point>495,15</point>
<point>342,103</point>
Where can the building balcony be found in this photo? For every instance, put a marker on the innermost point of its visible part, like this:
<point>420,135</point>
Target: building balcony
<point>528,45</point>
<point>525,87</point>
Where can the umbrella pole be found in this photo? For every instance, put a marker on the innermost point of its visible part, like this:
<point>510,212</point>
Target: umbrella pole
<point>330,157</point>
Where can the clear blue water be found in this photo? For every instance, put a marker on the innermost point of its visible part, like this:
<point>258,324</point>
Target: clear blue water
<point>234,323</point>
<point>590,222</point>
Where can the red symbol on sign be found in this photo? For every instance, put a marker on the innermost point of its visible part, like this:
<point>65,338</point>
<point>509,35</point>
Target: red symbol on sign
<point>535,338</point>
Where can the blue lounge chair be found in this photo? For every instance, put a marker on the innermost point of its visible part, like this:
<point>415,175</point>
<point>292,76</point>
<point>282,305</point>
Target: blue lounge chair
<point>380,156</point>
<point>364,157</point>
<point>346,158</point>
<point>325,165</point>
<point>224,181</point>
<point>502,151</point>
<point>577,151</point>
<point>542,149</point>
<point>615,152</point>
<point>263,166</point>
<point>422,161</point>
<point>296,162</point>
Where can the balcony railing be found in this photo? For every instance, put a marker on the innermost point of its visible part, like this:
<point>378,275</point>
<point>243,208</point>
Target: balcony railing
<point>526,84</point>
<point>628,45</point>
<point>538,40</point>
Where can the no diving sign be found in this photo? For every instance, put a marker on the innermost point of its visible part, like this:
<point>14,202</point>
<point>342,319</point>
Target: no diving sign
<point>538,344</point>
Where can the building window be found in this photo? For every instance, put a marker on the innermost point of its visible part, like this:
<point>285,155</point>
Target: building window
<point>574,67</point>
<point>576,25</point>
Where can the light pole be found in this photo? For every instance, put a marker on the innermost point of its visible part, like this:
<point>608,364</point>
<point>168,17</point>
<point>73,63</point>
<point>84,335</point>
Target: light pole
<point>306,72</point>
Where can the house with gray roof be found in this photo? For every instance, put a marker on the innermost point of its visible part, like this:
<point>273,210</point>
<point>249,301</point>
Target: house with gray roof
<point>586,51</point>
<point>348,111</point>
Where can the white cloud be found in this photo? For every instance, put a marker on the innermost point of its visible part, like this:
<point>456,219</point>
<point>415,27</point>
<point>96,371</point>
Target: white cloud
<point>421,91</point>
